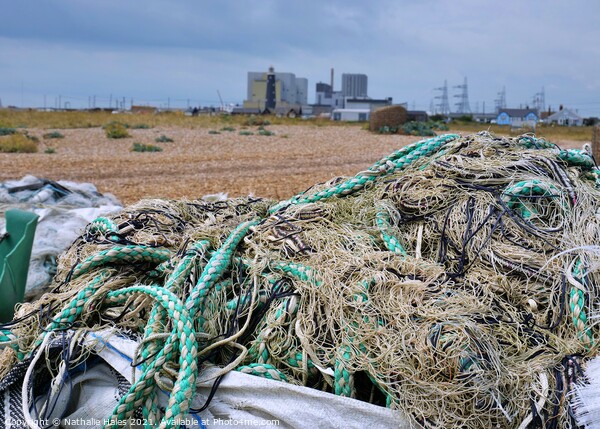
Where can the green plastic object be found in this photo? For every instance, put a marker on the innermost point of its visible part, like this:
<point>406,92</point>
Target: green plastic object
<point>15,252</point>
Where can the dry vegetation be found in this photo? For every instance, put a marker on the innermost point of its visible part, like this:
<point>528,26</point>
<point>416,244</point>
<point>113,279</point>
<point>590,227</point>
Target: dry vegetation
<point>199,161</point>
<point>552,133</point>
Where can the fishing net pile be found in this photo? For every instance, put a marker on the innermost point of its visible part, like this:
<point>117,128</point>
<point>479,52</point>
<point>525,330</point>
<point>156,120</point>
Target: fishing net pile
<point>454,280</point>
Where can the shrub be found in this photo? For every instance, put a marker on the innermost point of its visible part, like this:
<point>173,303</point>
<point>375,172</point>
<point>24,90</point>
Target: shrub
<point>213,132</point>
<point>264,132</point>
<point>115,130</point>
<point>141,127</point>
<point>388,130</point>
<point>32,138</point>
<point>53,135</point>
<point>17,143</point>
<point>253,120</point>
<point>50,150</point>
<point>140,147</point>
<point>418,128</point>
<point>246,133</point>
<point>465,118</point>
<point>230,129</point>
<point>163,139</point>
<point>439,126</point>
<point>4,131</point>
<point>388,116</point>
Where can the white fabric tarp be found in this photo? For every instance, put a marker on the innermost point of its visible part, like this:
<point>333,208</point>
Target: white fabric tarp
<point>586,399</point>
<point>64,209</point>
<point>241,400</point>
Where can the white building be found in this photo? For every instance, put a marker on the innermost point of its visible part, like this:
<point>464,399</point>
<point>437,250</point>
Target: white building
<point>358,109</point>
<point>351,115</point>
<point>565,117</point>
<point>366,103</point>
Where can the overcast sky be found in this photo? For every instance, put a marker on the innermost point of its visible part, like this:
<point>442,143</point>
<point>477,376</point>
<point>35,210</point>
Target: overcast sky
<point>169,51</point>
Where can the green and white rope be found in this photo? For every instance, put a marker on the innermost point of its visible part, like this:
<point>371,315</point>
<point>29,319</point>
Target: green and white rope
<point>578,303</point>
<point>263,370</point>
<point>528,188</point>
<point>159,314</point>
<point>102,226</point>
<point>214,268</point>
<point>181,396</point>
<point>382,220</point>
<point>394,162</point>
<point>121,255</point>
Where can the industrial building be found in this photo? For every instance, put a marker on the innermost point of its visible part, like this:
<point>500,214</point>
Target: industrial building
<point>285,94</point>
<point>289,91</point>
<point>354,85</point>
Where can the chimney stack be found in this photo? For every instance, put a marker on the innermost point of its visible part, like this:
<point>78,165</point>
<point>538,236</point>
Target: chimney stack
<point>332,79</point>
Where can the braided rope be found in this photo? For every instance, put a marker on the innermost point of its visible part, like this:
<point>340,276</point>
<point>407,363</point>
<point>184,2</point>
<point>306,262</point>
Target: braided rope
<point>296,360</point>
<point>215,268</point>
<point>102,226</point>
<point>173,283</point>
<point>382,220</point>
<point>283,314</point>
<point>578,158</point>
<point>8,339</point>
<point>343,379</point>
<point>528,188</point>
<point>577,303</point>
<point>297,271</point>
<point>394,162</point>
<point>211,273</point>
<point>72,311</point>
<point>531,142</point>
<point>183,390</point>
<point>263,370</point>
<point>122,255</point>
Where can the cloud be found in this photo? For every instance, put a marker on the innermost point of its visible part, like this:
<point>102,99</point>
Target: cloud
<point>188,49</point>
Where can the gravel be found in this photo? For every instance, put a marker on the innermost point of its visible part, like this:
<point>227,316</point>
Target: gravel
<point>199,163</point>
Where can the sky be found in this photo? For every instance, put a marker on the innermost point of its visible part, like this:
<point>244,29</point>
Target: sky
<point>179,52</point>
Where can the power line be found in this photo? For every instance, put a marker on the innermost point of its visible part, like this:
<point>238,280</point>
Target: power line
<point>539,100</point>
<point>501,100</point>
<point>443,106</point>
<point>463,105</point>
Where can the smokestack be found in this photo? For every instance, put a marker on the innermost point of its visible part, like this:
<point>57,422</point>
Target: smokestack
<point>332,78</point>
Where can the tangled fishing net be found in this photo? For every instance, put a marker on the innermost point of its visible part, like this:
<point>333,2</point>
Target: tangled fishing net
<point>454,280</point>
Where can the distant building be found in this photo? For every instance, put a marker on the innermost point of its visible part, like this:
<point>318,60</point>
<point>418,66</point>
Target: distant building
<point>359,109</point>
<point>324,94</point>
<point>565,117</point>
<point>366,103</point>
<point>517,117</point>
<point>301,90</point>
<point>351,115</point>
<point>351,103</point>
<point>289,90</point>
<point>417,115</point>
<point>354,85</point>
